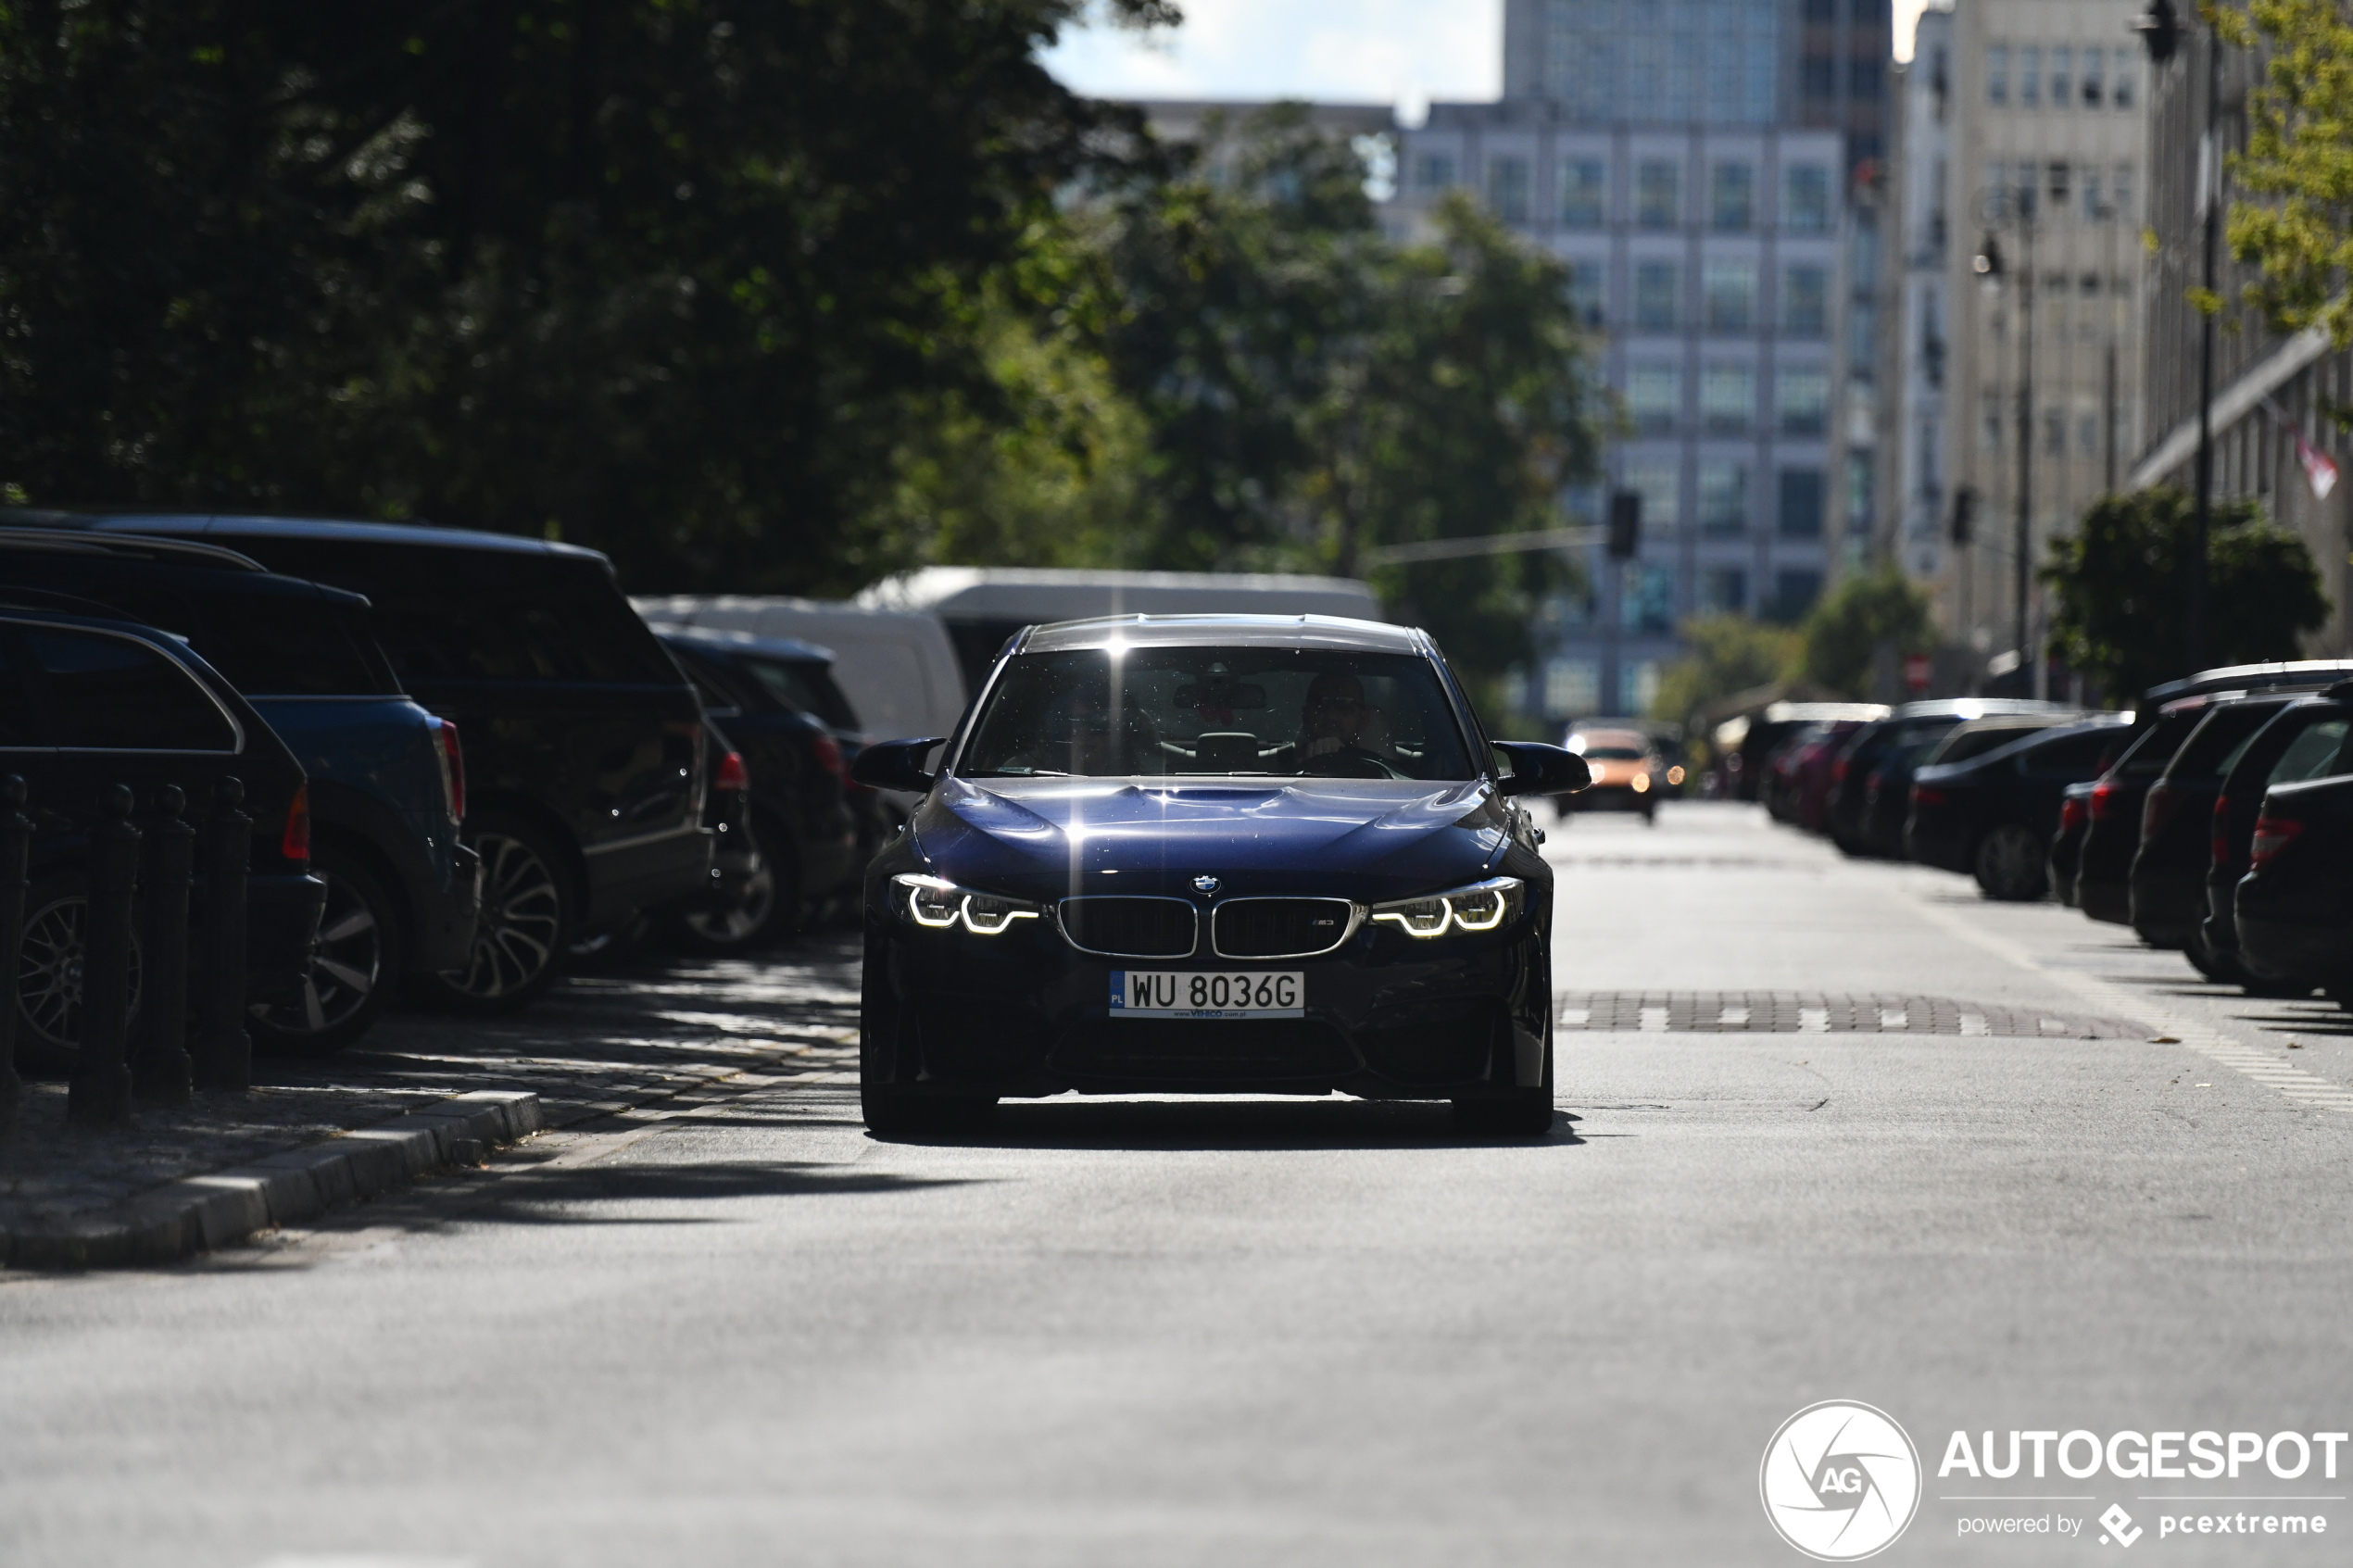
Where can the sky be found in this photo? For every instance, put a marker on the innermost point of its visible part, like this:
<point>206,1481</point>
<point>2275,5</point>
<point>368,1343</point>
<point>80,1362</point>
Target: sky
<point>1403,52</point>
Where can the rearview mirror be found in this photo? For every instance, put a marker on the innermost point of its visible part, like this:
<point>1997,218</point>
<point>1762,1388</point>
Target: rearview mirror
<point>895,764</point>
<point>1542,770</point>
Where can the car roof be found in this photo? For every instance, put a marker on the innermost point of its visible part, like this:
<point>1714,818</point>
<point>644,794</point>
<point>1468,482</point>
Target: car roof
<point>719,639</point>
<point>2299,672</point>
<point>1635,736</point>
<point>1225,631</point>
<point>232,524</point>
<point>246,575</point>
<point>1971,708</point>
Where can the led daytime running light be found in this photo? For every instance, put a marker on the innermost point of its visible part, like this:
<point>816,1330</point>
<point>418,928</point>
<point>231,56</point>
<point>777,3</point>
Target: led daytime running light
<point>1483,907</point>
<point>936,904</point>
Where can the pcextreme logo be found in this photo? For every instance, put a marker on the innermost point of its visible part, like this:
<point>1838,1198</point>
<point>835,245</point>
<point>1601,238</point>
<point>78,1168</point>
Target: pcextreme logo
<point>1841,1481</point>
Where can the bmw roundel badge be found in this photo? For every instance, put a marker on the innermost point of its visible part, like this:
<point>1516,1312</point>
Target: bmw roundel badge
<point>1206,886</point>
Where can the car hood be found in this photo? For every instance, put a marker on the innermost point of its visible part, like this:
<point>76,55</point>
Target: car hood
<point>1366,840</point>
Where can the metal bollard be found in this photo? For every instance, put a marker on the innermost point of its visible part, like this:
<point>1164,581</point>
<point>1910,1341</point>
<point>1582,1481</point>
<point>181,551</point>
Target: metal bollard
<point>224,1051</point>
<point>161,1069</point>
<point>16,844</point>
<point>99,1095</point>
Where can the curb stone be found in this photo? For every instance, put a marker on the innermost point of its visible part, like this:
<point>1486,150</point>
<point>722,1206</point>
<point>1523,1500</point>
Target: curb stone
<point>202,1212</point>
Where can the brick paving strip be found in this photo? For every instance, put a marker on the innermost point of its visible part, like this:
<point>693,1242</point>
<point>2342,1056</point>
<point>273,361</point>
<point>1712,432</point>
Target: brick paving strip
<point>419,1093</point>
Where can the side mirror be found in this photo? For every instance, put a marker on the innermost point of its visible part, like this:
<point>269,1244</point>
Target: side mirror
<point>1542,770</point>
<point>895,764</point>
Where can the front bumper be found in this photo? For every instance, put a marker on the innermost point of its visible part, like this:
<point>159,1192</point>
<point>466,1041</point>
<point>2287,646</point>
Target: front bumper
<point>1029,1015</point>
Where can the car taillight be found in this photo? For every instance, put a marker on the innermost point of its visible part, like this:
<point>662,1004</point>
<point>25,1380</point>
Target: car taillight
<point>731,774</point>
<point>1927,794</point>
<point>453,771</point>
<point>2271,835</point>
<point>295,843</point>
<point>1838,770</point>
<point>2071,813</point>
<point>2103,798</point>
<point>2157,810</point>
<point>829,752</point>
<point>2221,850</point>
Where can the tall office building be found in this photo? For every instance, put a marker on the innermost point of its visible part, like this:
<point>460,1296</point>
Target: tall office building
<point>1692,162</point>
<point>2047,157</point>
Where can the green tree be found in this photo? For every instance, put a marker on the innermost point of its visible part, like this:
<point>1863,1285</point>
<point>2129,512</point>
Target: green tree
<point>2299,158</point>
<point>1724,655</point>
<point>2123,600</point>
<point>1866,618</point>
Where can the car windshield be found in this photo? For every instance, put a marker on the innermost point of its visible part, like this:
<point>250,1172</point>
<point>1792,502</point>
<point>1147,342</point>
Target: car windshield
<point>1315,712</point>
<point>1612,754</point>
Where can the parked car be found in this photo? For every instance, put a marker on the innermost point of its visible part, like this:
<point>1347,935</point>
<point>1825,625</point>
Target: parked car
<point>2296,902</point>
<point>386,778</point>
<point>776,706</point>
<point>2067,843</point>
<point>583,743</point>
<point>1746,743</point>
<point>1629,774</point>
<point>1993,815</point>
<point>87,702</point>
<point>2167,880</point>
<point>1873,745</point>
<point>1812,769</point>
<point>2304,739</point>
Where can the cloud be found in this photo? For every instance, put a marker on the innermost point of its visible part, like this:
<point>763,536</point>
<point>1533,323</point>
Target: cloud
<point>1371,51</point>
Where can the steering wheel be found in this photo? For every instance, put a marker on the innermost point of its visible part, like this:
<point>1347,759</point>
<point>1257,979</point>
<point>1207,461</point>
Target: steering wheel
<point>1348,762</point>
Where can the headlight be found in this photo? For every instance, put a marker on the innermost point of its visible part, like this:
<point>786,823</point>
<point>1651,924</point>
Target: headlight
<point>936,905</point>
<point>1642,783</point>
<point>1483,907</point>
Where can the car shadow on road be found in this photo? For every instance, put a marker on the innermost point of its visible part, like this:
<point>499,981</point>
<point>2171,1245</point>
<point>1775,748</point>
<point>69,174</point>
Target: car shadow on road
<point>1123,1124</point>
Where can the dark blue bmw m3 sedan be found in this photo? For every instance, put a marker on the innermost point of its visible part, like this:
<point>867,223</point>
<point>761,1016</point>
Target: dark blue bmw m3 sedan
<point>1213,854</point>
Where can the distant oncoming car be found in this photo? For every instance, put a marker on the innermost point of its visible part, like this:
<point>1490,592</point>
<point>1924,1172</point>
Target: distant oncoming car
<point>1214,854</point>
<point>1629,774</point>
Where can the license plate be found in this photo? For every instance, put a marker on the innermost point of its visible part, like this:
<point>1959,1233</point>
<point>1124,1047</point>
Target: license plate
<point>1137,993</point>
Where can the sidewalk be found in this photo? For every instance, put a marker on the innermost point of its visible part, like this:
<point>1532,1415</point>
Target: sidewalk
<point>597,1044</point>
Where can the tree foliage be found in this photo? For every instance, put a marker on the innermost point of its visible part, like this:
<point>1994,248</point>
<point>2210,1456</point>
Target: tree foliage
<point>2299,157</point>
<point>1844,635</point>
<point>1724,655</point>
<point>2123,599</point>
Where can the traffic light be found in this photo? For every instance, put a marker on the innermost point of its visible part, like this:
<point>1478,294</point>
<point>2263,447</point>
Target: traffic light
<point>1625,524</point>
<point>1964,515</point>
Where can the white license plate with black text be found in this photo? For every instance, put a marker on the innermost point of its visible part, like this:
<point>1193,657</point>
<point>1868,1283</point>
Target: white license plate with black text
<point>1141,993</point>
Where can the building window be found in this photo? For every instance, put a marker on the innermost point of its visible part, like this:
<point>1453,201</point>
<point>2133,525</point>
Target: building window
<point>2092,89</point>
<point>2121,91</point>
<point>1805,301</point>
<point>1585,298</point>
<point>1657,286</point>
<point>1654,396</point>
<point>1866,78</point>
<point>1819,75</point>
<point>1727,399</point>
<point>2124,193</point>
<point>1507,188</point>
<point>1659,482</point>
<point>2030,76</point>
<point>1989,428</point>
<point>1801,400</point>
<point>1805,198</point>
<point>1799,516</point>
<point>1998,73</point>
<point>1647,600</point>
<point>2062,76</point>
<point>1641,680</point>
<point>1795,591</point>
<point>2056,172</point>
<point>1731,197</point>
<point>1730,287</point>
<point>2093,211</point>
<point>1723,498</point>
<point>1860,490</point>
<point>1572,688</point>
<point>2054,432</point>
<point>1658,195</point>
<point>2087,435</point>
<point>1583,194</point>
<point>1434,171</point>
<point>1723,590</point>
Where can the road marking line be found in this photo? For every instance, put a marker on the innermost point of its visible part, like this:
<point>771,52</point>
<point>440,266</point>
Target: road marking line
<point>1734,1016</point>
<point>1895,1018</point>
<point>1576,1015</point>
<point>1653,1021</point>
<point>2224,1050</point>
<point>1813,1021</point>
<point>1974,1023</point>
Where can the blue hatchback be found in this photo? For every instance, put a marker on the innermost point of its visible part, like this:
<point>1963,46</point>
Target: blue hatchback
<point>1215,855</point>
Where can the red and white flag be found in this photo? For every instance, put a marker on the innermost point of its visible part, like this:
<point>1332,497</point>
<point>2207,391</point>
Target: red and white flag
<point>2320,469</point>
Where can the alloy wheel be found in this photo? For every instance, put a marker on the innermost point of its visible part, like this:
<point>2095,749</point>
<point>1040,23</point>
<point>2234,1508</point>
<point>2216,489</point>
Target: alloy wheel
<point>736,924</point>
<point>50,969</point>
<point>346,966</point>
<point>521,914</point>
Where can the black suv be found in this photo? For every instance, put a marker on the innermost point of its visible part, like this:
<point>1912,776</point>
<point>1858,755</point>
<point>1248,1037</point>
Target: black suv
<point>584,767</point>
<point>87,703</point>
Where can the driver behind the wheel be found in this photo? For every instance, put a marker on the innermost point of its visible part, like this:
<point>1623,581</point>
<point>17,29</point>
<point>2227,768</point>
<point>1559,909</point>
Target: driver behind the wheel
<point>1335,716</point>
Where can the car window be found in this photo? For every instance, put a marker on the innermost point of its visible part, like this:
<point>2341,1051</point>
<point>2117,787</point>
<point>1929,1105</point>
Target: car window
<point>803,686</point>
<point>2147,756</point>
<point>1218,711</point>
<point>2311,754</point>
<point>2210,745</point>
<point>107,693</point>
<point>1965,742</point>
<point>1611,754</point>
<point>16,701</point>
<point>2078,756</point>
<point>281,646</point>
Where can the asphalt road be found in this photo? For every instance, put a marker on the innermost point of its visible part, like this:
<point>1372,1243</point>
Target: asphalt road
<point>1830,1131</point>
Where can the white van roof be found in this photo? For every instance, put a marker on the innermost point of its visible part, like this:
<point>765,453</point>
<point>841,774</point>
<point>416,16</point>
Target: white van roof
<point>1046,594</point>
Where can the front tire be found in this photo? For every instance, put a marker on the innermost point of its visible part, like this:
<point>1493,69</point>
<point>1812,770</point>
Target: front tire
<point>769,912</point>
<point>49,968</point>
<point>353,967</point>
<point>1515,1114</point>
<point>530,917</point>
<point>2010,865</point>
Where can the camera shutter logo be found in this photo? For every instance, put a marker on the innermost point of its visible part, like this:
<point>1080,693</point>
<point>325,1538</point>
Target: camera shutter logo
<point>1841,1481</point>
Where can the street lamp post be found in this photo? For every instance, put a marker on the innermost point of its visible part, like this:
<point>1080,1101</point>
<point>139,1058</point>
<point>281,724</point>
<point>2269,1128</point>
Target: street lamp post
<point>2016,209</point>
